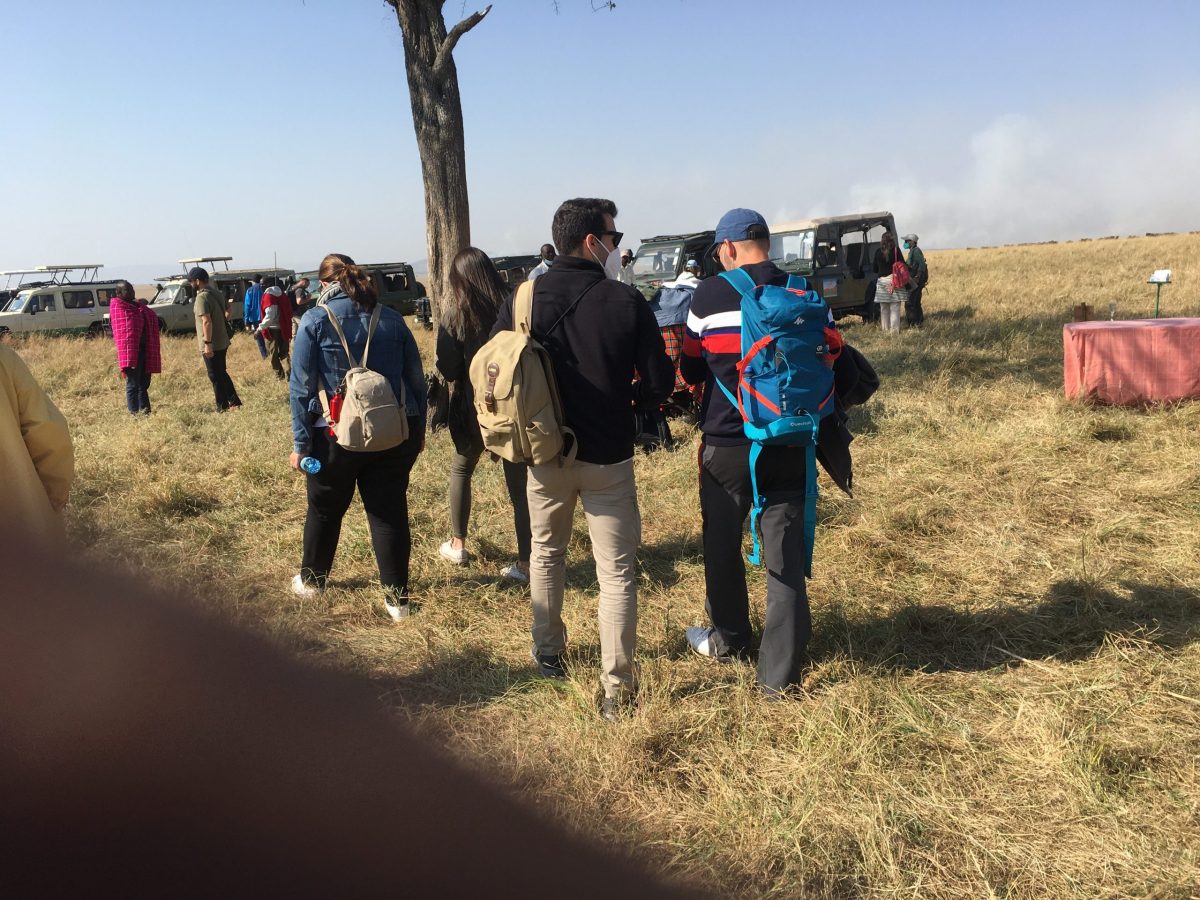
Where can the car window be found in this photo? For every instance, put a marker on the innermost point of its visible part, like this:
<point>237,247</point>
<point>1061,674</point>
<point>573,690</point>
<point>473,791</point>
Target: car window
<point>78,300</point>
<point>105,295</point>
<point>393,281</point>
<point>792,246</point>
<point>47,302</point>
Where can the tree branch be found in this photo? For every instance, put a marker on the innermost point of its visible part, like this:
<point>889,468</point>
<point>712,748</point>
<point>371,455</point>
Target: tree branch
<point>442,62</point>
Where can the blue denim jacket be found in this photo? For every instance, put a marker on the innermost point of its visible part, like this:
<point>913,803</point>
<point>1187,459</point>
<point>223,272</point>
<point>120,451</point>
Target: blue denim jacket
<point>318,361</point>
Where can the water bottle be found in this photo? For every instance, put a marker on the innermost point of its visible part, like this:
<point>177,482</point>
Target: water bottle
<point>310,465</point>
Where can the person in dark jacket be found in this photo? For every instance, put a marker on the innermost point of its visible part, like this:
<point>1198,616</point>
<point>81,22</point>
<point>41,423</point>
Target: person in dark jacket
<point>597,332</point>
<point>711,351</point>
<point>478,295</point>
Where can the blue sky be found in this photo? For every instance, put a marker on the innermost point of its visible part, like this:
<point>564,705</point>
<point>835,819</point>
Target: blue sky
<point>142,132</point>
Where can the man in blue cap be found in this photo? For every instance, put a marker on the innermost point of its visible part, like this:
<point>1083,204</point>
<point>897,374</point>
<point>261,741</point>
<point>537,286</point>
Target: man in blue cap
<point>711,350</point>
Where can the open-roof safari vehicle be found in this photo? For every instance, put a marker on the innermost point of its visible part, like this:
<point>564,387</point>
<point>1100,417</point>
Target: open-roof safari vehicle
<point>835,254</point>
<point>662,258</point>
<point>395,283</point>
<point>515,269</point>
<point>173,300</point>
<point>69,299</point>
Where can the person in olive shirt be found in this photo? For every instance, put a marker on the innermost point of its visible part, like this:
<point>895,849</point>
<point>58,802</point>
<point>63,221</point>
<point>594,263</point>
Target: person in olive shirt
<point>213,336</point>
<point>919,271</point>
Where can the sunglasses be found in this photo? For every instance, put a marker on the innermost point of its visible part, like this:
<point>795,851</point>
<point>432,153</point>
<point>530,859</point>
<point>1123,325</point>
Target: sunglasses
<point>616,236</point>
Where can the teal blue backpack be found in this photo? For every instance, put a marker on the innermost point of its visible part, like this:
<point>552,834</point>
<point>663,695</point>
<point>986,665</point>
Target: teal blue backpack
<point>785,383</point>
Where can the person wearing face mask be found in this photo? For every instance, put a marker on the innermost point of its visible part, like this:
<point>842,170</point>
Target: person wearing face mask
<point>919,271</point>
<point>548,253</point>
<point>597,333</point>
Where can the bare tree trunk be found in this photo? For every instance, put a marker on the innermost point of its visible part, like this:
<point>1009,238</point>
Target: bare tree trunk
<point>437,119</point>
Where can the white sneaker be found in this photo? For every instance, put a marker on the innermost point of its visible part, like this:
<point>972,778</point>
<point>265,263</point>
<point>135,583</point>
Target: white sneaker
<point>397,607</point>
<point>700,639</point>
<point>457,556</point>
<point>515,573</point>
<point>307,591</point>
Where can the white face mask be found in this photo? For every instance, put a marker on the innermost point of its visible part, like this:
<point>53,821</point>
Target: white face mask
<point>611,264</point>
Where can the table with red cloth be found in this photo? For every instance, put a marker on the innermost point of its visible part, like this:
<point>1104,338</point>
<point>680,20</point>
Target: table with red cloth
<point>1132,362</point>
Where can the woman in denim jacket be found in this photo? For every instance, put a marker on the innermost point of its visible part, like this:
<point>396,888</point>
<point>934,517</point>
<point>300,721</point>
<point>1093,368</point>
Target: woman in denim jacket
<point>319,363</point>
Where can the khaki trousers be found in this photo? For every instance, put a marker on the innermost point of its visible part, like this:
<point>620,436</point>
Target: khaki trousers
<point>609,498</point>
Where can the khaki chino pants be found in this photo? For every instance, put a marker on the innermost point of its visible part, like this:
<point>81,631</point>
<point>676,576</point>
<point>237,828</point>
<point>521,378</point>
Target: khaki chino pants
<point>609,497</point>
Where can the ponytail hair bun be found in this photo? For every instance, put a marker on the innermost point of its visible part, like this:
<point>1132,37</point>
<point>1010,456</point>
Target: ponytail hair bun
<point>356,282</point>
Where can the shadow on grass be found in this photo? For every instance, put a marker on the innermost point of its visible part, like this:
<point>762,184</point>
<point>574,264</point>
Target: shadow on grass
<point>471,675</point>
<point>1070,623</point>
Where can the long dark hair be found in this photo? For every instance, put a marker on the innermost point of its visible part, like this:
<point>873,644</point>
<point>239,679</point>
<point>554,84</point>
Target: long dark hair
<point>354,281</point>
<point>478,294</point>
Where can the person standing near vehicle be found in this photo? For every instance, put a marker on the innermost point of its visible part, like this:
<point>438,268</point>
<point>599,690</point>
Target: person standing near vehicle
<point>548,255</point>
<point>478,294</point>
<point>212,331</point>
<point>36,455</point>
<point>319,367</point>
<point>918,270</point>
<point>886,256</point>
<point>276,327</point>
<point>252,311</point>
<point>625,276</point>
<point>712,349</point>
<point>301,299</point>
<point>135,333</point>
<point>597,332</point>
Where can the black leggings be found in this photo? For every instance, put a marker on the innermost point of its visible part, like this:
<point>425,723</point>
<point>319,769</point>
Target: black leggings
<point>382,480</point>
<point>515,475</point>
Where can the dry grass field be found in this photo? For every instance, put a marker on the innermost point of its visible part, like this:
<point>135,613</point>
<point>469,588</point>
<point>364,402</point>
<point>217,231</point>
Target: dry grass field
<point>1006,698</point>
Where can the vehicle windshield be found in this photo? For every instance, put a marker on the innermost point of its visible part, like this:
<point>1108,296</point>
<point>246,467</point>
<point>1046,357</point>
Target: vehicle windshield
<point>168,293</point>
<point>790,248</point>
<point>18,302</point>
<point>657,261</point>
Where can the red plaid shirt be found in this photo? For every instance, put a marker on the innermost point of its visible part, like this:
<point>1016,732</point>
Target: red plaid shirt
<point>672,336</point>
<point>129,322</point>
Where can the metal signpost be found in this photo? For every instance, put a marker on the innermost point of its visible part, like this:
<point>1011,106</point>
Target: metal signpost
<point>1158,278</point>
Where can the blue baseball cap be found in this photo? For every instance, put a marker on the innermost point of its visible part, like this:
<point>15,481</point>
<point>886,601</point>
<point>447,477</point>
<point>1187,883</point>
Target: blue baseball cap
<point>736,225</point>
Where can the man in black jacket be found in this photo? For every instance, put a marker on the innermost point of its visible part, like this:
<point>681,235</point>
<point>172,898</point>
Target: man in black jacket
<point>597,332</point>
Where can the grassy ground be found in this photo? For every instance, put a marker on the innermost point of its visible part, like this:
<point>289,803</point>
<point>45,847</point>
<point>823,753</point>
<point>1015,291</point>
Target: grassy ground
<point>1006,615</point>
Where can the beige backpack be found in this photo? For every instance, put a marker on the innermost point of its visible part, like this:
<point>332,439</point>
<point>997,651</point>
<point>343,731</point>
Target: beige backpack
<point>370,418</point>
<point>516,396</point>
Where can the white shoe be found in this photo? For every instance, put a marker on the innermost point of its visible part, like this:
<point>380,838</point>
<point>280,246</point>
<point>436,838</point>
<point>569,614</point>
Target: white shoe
<point>457,556</point>
<point>397,607</point>
<point>516,573</point>
<point>307,591</point>
<point>700,639</point>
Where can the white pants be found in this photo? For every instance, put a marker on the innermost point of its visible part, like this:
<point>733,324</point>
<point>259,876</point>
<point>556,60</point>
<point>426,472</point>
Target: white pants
<point>889,315</point>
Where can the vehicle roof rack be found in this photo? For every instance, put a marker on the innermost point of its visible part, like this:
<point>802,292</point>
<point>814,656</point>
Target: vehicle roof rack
<point>60,274</point>
<point>206,259</point>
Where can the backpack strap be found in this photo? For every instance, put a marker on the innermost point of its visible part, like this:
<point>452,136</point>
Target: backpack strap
<point>523,308</point>
<point>741,281</point>
<point>759,502</point>
<point>337,327</point>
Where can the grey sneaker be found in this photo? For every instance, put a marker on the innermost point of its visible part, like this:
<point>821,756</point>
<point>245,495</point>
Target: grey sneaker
<point>614,709</point>
<point>701,640</point>
<point>550,665</point>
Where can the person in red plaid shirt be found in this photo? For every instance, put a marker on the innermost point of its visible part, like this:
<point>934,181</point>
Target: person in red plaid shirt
<point>135,332</point>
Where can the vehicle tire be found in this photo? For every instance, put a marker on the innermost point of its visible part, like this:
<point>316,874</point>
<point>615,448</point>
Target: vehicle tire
<point>4,331</point>
<point>95,330</point>
<point>162,325</point>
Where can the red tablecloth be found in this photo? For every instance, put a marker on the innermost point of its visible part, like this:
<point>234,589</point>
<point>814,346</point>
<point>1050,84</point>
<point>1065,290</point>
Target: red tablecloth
<point>1134,362</point>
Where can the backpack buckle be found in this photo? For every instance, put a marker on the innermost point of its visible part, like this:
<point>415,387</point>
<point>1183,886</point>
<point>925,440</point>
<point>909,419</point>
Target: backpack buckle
<point>489,398</point>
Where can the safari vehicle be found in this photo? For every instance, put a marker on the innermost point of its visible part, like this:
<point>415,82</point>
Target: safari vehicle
<point>515,269</point>
<point>11,288</point>
<point>396,284</point>
<point>68,303</point>
<point>835,254</point>
<point>662,258</point>
<point>173,300</point>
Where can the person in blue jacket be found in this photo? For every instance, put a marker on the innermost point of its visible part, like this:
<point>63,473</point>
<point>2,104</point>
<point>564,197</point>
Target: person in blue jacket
<point>252,311</point>
<point>319,363</point>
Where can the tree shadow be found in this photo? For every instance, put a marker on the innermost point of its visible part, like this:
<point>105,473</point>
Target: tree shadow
<point>1071,622</point>
<point>470,675</point>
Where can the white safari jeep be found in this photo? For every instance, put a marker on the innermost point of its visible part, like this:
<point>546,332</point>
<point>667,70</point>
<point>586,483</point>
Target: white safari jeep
<point>62,306</point>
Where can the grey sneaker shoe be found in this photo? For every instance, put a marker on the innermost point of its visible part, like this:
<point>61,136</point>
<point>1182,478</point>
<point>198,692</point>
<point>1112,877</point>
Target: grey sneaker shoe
<point>701,640</point>
<point>550,665</point>
<point>615,709</point>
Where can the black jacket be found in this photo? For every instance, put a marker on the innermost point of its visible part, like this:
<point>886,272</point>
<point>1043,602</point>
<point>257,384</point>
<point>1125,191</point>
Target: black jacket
<point>454,362</point>
<point>596,347</point>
